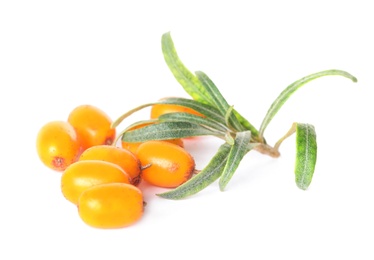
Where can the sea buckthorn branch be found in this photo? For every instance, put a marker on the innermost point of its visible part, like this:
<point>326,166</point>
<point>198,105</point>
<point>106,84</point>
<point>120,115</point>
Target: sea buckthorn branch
<point>223,121</point>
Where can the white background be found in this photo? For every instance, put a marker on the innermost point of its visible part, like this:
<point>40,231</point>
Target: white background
<point>55,55</point>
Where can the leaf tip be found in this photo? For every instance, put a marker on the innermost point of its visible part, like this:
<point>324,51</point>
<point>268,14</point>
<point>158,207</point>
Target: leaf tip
<point>222,186</point>
<point>163,195</point>
<point>302,186</point>
<point>166,34</point>
<point>351,77</point>
<point>171,195</point>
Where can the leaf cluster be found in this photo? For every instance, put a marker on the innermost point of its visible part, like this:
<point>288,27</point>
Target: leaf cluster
<point>220,119</point>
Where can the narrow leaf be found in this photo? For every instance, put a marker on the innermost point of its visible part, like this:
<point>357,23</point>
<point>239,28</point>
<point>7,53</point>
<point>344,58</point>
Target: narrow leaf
<point>283,97</point>
<point>165,131</point>
<point>187,79</point>
<point>237,152</point>
<point>203,109</point>
<point>228,114</point>
<point>187,117</point>
<point>134,125</point>
<point>245,123</point>
<point>207,110</point>
<point>208,175</point>
<point>306,155</point>
<point>190,82</point>
<point>218,100</point>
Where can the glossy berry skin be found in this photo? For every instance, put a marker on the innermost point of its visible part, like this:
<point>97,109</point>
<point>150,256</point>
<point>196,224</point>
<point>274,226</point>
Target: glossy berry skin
<point>82,175</point>
<point>92,125</point>
<point>117,155</point>
<point>109,206</point>
<point>169,165</point>
<point>58,145</point>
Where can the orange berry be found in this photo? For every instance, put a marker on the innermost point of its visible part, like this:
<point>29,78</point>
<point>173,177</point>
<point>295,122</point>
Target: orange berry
<point>82,175</point>
<point>133,146</point>
<point>111,205</point>
<point>169,165</point>
<point>58,145</point>
<point>92,125</point>
<point>161,109</point>
<point>117,155</point>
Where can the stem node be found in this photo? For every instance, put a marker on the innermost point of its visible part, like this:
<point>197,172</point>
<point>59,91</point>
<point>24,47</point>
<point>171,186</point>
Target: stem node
<point>268,150</point>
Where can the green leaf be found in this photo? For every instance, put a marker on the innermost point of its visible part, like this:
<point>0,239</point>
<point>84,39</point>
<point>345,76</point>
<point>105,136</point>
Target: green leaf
<point>245,123</point>
<point>204,109</point>
<point>228,114</point>
<point>187,117</point>
<point>283,97</point>
<point>218,100</point>
<point>167,130</point>
<point>188,80</point>
<point>208,175</point>
<point>191,83</point>
<point>237,152</point>
<point>134,125</point>
<point>306,154</point>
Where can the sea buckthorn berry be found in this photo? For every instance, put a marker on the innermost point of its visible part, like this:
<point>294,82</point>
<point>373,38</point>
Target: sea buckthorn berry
<point>169,165</point>
<point>92,125</point>
<point>58,145</point>
<point>133,146</point>
<point>82,175</point>
<point>117,155</point>
<point>112,205</point>
<point>161,109</point>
